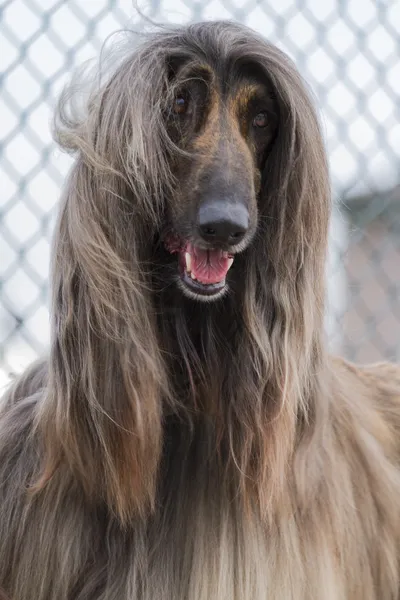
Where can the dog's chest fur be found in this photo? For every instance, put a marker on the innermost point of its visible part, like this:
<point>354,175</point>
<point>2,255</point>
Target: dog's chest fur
<point>210,552</point>
<point>203,545</point>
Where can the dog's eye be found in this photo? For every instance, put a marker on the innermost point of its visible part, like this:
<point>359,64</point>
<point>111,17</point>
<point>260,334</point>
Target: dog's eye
<point>180,105</point>
<point>260,120</point>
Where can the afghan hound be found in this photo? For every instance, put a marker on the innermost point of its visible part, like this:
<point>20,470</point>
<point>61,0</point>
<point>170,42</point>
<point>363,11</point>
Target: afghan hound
<point>189,437</point>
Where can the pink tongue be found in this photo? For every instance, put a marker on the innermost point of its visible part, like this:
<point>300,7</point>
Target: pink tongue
<point>208,266</point>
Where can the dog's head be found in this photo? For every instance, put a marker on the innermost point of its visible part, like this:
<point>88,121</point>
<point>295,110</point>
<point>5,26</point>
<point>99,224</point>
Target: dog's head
<point>203,148</point>
<point>223,118</point>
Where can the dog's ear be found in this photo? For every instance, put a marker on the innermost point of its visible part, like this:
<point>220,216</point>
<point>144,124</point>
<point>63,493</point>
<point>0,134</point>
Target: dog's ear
<point>103,413</point>
<point>102,416</point>
<point>295,196</point>
<point>294,210</point>
<point>295,180</point>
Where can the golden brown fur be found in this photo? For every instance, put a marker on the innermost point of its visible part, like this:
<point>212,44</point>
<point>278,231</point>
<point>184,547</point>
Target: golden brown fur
<point>181,450</point>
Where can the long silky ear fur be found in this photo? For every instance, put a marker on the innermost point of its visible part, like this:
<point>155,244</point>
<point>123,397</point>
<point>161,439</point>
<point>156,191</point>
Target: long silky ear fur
<point>102,416</point>
<point>295,209</point>
<point>283,305</point>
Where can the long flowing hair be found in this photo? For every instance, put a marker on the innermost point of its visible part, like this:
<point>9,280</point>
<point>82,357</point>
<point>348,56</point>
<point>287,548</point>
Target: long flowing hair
<point>110,384</point>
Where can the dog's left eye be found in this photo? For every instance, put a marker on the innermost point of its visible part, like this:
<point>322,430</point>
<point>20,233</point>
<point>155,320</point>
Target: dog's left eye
<point>180,105</point>
<point>260,120</point>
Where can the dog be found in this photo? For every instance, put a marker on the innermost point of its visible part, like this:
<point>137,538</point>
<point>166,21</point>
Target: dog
<point>189,437</point>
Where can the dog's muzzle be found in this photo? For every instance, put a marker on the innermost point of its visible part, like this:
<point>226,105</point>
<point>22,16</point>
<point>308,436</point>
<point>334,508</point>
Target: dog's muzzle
<point>205,260</point>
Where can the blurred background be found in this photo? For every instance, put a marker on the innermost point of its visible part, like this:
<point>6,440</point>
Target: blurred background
<point>347,50</point>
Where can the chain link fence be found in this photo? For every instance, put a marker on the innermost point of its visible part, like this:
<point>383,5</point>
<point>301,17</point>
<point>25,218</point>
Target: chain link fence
<point>349,52</point>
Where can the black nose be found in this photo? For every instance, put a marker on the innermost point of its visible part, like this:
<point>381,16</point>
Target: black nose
<point>224,222</point>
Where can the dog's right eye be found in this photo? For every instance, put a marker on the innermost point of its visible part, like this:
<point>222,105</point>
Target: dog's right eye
<point>260,120</point>
<point>180,105</point>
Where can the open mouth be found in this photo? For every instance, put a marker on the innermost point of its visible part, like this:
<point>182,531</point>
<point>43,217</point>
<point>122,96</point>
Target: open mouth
<point>203,272</point>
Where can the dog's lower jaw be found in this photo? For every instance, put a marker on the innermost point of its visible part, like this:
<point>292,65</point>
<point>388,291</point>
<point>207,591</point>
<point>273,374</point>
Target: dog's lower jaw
<point>201,297</point>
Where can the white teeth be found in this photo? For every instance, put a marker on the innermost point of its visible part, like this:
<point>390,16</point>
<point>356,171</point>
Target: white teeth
<point>188,260</point>
<point>192,276</point>
<point>230,261</point>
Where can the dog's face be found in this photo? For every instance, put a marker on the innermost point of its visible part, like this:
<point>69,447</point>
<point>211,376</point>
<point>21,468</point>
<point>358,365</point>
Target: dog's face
<point>224,124</point>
